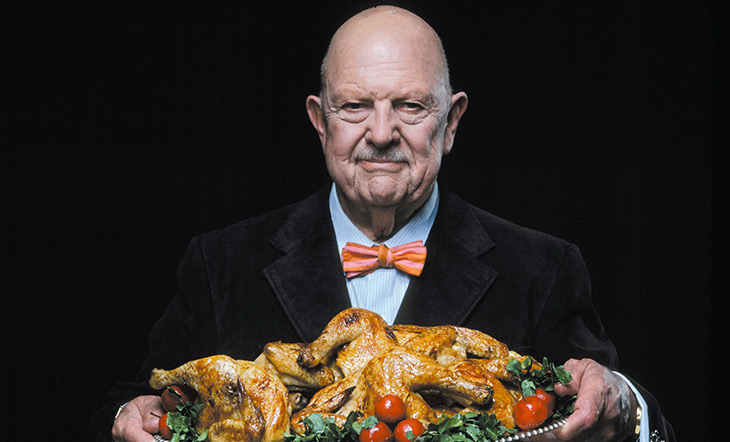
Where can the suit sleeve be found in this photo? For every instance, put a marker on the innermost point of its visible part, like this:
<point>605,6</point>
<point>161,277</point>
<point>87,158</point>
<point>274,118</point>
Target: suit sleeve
<point>567,323</point>
<point>569,327</point>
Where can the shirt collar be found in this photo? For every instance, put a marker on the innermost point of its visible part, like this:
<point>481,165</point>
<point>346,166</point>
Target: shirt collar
<point>417,229</point>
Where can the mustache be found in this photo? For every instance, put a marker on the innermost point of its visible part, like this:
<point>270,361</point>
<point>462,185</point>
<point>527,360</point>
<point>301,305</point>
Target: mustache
<point>390,155</point>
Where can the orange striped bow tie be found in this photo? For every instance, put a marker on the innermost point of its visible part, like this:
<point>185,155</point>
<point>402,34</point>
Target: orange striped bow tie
<point>361,260</point>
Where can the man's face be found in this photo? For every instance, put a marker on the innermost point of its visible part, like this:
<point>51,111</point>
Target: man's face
<point>385,128</point>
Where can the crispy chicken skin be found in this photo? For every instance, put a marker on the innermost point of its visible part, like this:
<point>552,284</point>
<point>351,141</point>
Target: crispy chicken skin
<point>398,371</point>
<point>355,336</point>
<point>282,357</point>
<point>244,401</point>
<point>448,343</point>
<point>503,399</point>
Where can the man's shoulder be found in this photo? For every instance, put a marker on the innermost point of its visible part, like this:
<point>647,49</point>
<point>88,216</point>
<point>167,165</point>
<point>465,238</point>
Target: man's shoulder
<point>510,239</point>
<point>260,228</point>
<point>499,228</point>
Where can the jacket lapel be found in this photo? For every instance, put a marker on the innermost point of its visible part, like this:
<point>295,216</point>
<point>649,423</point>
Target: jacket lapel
<point>310,285</point>
<point>308,278</point>
<point>453,279</point>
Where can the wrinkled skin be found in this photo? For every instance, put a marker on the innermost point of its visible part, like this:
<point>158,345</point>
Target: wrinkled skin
<point>138,420</point>
<point>604,409</point>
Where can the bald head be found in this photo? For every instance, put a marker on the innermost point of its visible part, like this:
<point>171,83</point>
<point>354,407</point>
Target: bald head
<point>381,32</point>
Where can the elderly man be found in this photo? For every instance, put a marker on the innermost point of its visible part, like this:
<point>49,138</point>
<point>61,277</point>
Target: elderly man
<point>385,117</point>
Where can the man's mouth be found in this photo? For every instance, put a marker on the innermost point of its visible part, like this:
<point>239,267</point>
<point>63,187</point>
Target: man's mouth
<point>382,157</point>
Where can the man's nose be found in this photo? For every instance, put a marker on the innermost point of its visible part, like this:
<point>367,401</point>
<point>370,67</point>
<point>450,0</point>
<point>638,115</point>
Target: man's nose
<point>383,126</point>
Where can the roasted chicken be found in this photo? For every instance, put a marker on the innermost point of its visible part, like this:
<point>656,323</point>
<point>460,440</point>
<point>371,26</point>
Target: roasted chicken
<point>397,371</point>
<point>243,400</point>
<point>503,398</point>
<point>356,360</point>
<point>281,357</point>
<point>448,344</point>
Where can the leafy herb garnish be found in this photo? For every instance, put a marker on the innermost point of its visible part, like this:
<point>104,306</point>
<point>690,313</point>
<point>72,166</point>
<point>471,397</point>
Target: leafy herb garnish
<point>182,421</point>
<point>466,427</point>
<point>325,429</point>
<point>546,376</point>
<point>528,379</point>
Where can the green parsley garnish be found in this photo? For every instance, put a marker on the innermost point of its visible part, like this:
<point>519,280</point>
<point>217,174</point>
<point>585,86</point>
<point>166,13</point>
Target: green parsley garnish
<point>529,380</point>
<point>466,427</point>
<point>182,421</point>
<point>321,429</point>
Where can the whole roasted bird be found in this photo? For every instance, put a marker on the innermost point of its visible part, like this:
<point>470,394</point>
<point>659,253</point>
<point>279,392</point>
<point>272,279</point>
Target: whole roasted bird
<point>243,400</point>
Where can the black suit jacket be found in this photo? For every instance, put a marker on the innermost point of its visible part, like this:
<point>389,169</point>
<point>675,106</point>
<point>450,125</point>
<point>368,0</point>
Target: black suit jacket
<point>279,277</point>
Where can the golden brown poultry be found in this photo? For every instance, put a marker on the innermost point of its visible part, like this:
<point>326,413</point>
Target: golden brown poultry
<point>352,337</point>
<point>244,401</point>
<point>497,367</point>
<point>397,371</point>
<point>282,358</point>
<point>504,397</point>
<point>448,344</point>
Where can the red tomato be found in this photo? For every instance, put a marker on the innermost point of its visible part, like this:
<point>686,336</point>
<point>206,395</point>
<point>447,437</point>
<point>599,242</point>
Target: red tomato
<point>530,412</point>
<point>165,430</point>
<point>548,398</point>
<point>410,424</point>
<point>170,401</point>
<point>390,409</point>
<point>379,433</point>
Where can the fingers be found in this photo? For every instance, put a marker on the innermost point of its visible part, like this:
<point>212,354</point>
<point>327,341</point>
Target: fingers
<point>602,405</point>
<point>138,420</point>
<point>577,369</point>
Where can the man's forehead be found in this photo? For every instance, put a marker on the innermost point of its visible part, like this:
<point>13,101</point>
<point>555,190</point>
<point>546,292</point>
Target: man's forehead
<point>386,88</point>
<point>384,61</point>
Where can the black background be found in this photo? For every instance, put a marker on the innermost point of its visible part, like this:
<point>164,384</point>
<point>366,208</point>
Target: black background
<point>128,128</point>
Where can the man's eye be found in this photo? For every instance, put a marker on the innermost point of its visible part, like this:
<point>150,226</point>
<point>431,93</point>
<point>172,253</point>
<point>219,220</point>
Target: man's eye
<point>353,106</point>
<point>411,106</point>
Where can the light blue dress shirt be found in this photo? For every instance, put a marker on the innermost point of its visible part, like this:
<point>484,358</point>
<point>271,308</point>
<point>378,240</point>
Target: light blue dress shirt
<point>381,291</point>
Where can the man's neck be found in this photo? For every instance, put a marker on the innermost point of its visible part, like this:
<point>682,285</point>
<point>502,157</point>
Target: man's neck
<point>380,223</point>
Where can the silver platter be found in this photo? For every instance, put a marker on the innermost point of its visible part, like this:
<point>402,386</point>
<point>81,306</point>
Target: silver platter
<point>525,434</point>
<point>511,438</point>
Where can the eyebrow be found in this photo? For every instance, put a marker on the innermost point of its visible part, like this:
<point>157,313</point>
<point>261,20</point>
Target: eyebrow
<point>338,98</point>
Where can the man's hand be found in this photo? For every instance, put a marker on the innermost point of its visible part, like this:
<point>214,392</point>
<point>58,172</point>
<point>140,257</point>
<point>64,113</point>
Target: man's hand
<point>604,409</point>
<point>138,420</point>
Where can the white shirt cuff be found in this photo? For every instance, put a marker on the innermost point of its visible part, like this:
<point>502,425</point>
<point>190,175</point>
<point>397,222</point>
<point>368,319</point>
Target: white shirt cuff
<point>644,427</point>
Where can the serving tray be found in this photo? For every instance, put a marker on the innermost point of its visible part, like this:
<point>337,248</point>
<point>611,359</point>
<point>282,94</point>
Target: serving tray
<point>511,438</point>
<point>525,434</point>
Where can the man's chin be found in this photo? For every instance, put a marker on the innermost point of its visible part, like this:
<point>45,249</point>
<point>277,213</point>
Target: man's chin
<point>385,193</point>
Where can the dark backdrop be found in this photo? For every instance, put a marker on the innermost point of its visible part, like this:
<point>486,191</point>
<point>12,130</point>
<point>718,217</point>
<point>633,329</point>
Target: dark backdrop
<point>126,130</point>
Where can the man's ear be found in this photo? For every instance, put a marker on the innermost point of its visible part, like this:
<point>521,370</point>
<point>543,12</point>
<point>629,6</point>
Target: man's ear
<point>459,101</point>
<point>316,116</point>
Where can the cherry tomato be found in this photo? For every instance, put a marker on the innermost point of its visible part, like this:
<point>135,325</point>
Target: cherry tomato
<point>170,401</point>
<point>165,430</point>
<point>548,398</point>
<point>410,424</point>
<point>530,412</point>
<point>379,433</point>
<point>390,409</point>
